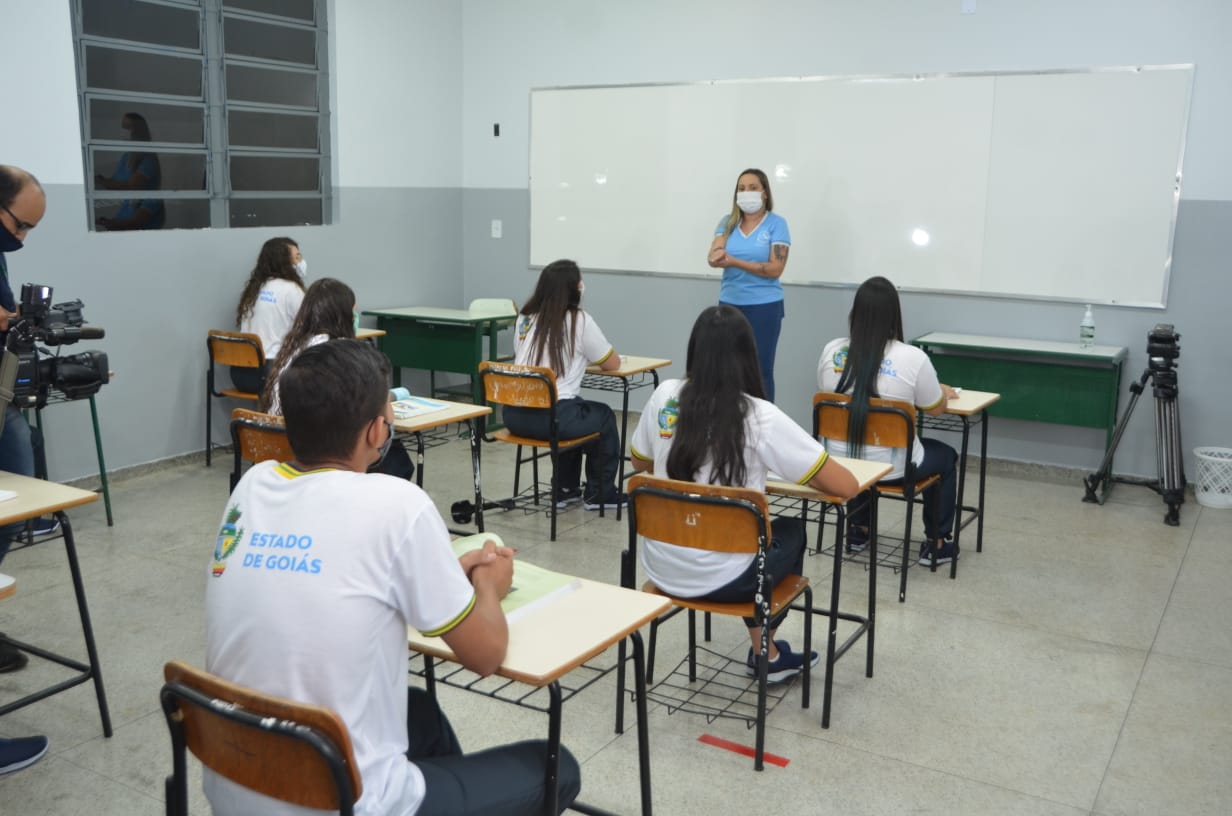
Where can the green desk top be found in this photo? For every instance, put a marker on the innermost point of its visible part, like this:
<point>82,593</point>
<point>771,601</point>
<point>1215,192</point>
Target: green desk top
<point>439,314</point>
<point>1018,345</point>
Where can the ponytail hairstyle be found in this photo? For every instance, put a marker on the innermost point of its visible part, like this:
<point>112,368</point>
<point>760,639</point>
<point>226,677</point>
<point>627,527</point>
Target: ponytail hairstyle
<point>736,212</point>
<point>555,307</point>
<point>273,262</point>
<point>328,308</point>
<point>875,319</point>
<point>722,372</point>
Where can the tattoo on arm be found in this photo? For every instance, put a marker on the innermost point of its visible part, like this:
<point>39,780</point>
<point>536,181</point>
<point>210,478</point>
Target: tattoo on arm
<point>780,252</point>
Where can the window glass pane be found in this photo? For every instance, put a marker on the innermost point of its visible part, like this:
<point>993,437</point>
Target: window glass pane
<point>166,123</point>
<point>264,173</point>
<point>251,129</point>
<point>275,212</point>
<point>142,22</point>
<point>271,86</point>
<point>116,215</point>
<point>298,9</point>
<point>249,38</point>
<point>131,170</point>
<point>111,68</point>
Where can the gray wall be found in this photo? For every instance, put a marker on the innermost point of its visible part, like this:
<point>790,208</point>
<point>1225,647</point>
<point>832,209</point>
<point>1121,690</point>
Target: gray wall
<point>511,48</point>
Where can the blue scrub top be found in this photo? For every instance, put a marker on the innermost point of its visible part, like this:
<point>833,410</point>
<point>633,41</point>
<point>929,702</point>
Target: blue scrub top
<point>741,288</point>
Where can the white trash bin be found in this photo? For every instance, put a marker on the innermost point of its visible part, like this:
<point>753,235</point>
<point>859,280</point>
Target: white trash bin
<point>1214,484</point>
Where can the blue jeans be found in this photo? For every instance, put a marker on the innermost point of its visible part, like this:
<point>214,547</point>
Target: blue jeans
<point>940,459</point>
<point>767,321</point>
<point>576,417</point>
<point>16,456</point>
<point>785,556</point>
<point>506,779</point>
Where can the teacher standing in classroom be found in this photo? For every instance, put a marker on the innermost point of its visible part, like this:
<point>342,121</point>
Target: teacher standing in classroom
<point>750,246</point>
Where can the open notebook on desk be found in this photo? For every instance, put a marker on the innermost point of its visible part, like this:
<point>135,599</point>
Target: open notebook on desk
<point>533,586</point>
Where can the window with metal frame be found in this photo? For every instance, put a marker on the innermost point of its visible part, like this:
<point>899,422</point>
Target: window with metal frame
<point>226,100</point>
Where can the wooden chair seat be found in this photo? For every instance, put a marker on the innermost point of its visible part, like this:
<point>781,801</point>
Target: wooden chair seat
<point>504,435</point>
<point>899,490</point>
<point>235,349</point>
<point>785,594</point>
<point>235,393</point>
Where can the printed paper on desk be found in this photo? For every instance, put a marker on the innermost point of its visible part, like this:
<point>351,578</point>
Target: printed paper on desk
<point>533,586</point>
<point>416,406</point>
<point>5,495</point>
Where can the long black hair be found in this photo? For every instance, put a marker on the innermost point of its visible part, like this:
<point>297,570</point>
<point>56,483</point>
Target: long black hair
<point>875,319</point>
<point>555,305</point>
<point>722,370</point>
<point>328,308</point>
<point>273,262</point>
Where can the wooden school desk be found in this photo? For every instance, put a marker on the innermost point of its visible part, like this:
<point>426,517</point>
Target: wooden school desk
<point>438,339</point>
<point>368,334</point>
<point>452,412</point>
<point>867,474</point>
<point>970,408</point>
<point>549,642</point>
<point>630,376</point>
<point>36,497</point>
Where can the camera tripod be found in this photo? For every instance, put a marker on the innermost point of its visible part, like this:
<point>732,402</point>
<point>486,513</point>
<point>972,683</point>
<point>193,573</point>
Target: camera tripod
<point>1162,352</point>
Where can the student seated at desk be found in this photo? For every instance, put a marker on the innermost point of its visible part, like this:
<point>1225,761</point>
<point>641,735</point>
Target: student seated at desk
<point>875,362</point>
<point>554,331</point>
<point>268,306</point>
<point>329,312</point>
<point>318,569</point>
<point>714,427</point>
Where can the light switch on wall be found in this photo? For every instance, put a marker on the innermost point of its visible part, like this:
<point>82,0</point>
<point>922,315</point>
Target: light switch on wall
<point>496,228</point>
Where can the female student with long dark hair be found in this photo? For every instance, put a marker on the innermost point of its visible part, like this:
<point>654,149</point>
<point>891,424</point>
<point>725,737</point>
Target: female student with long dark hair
<point>554,331</point>
<point>714,427</point>
<point>750,245</point>
<point>269,303</point>
<point>329,312</point>
<point>875,362</point>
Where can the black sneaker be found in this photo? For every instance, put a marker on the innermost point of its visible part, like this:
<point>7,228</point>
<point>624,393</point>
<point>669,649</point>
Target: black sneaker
<point>611,502</point>
<point>947,553</point>
<point>11,658</point>
<point>786,667</point>
<point>568,498</point>
<point>16,754</point>
<point>45,526</point>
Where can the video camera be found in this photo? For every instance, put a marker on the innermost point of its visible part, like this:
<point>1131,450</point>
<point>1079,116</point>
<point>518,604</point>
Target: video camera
<point>1162,347</point>
<point>35,371</point>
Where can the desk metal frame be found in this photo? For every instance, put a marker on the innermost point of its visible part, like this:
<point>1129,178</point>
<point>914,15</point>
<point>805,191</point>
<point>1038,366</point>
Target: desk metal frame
<point>418,425</point>
<point>961,423</point>
<point>40,465</point>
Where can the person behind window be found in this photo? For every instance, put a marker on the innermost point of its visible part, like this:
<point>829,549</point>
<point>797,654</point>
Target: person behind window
<point>750,245</point>
<point>875,362</point>
<point>553,331</point>
<point>714,427</point>
<point>323,619</point>
<point>135,171</point>
<point>269,303</point>
<point>329,312</point>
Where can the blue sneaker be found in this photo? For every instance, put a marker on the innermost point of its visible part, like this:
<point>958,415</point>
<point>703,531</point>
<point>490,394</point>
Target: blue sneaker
<point>567,497</point>
<point>786,667</point>
<point>16,754</point>
<point>45,526</point>
<point>945,554</point>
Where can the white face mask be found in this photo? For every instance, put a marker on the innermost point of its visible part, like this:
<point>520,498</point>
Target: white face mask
<point>581,289</point>
<point>749,201</point>
<point>301,266</point>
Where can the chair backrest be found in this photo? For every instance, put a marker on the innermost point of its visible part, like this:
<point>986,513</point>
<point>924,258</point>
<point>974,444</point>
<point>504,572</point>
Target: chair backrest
<point>289,751</point>
<point>258,437</point>
<point>519,385</point>
<point>494,306</point>
<point>704,517</point>
<point>234,349</point>
<point>890,424</point>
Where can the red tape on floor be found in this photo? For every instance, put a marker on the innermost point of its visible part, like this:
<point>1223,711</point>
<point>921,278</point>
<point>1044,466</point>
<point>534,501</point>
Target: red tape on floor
<point>737,748</point>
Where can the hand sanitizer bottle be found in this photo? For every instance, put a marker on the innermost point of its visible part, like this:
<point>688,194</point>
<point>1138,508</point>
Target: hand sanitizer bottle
<point>1086,329</point>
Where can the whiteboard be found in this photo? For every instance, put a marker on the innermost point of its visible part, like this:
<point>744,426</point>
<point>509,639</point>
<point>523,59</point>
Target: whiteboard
<point>1058,185</point>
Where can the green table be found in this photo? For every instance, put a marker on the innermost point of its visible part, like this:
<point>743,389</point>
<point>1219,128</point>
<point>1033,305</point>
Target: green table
<point>438,339</point>
<point>1038,380</point>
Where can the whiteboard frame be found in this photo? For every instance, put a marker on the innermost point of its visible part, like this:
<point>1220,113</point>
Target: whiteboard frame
<point>871,78</point>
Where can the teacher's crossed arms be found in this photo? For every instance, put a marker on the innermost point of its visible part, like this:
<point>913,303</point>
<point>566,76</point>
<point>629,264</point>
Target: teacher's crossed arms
<point>750,246</point>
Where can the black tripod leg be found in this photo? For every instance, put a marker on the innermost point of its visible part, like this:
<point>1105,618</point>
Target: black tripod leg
<point>1096,481</point>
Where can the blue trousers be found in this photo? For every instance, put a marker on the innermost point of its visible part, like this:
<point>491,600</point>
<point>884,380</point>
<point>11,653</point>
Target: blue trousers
<point>576,417</point>
<point>940,459</point>
<point>767,321</point>
<point>784,557</point>
<point>507,779</point>
<point>16,456</point>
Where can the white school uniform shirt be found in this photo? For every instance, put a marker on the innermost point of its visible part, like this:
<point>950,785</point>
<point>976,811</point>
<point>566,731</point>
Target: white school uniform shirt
<point>273,313</point>
<point>589,346</point>
<point>772,442</point>
<point>314,579</point>
<point>275,406</point>
<point>906,374</point>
